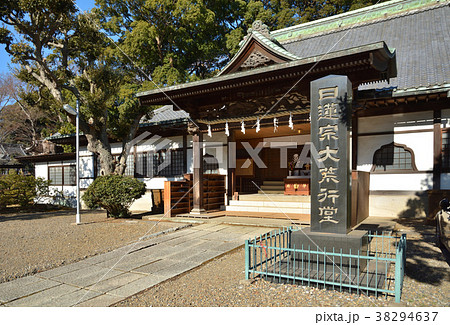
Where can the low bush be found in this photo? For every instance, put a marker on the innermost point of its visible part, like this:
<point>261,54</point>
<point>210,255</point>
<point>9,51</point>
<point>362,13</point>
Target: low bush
<point>24,190</point>
<point>114,193</point>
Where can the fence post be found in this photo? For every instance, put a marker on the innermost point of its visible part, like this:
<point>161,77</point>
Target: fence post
<point>247,260</point>
<point>399,265</point>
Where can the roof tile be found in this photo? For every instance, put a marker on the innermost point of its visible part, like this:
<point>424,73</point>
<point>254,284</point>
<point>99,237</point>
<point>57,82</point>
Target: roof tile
<point>420,38</point>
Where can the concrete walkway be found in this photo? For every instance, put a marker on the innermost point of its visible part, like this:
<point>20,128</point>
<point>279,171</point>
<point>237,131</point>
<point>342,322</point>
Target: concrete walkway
<point>108,278</point>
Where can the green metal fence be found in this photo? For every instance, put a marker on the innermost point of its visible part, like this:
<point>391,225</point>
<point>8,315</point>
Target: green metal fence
<point>377,269</point>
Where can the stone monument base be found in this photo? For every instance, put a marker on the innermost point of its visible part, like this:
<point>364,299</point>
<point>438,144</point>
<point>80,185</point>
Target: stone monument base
<point>354,243</point>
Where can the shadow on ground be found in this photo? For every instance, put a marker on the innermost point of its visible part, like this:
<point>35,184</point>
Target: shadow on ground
<point>425,262</point>
<point>33,212</point>
<point>416,207</point>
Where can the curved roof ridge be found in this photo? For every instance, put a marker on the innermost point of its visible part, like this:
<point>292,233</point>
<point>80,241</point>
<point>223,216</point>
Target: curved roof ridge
<point>381,12</point>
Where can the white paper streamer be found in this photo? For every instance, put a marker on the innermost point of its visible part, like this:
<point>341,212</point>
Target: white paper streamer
<point>243,127</point>
<point>291,124</point>
<point>275,124</point>
<point>227,131</point>
<point>258,127</point>
<point>209,131</point>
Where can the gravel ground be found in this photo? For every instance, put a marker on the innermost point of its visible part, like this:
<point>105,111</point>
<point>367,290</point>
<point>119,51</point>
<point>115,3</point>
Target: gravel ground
<point>34,242</point>
<point>220,283</point>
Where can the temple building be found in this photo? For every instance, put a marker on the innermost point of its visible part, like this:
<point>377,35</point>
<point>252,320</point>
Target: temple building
<point>231,144</point>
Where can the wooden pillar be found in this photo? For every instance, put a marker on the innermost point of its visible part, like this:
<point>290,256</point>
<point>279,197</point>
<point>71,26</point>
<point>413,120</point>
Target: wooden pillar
<point>355,141</point>
<point>231,153</point>
<point>185,143</point>
<point>437,149</point>
<point>197,155</point>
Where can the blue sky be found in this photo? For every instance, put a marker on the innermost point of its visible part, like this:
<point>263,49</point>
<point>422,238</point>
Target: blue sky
<point>4,57</point>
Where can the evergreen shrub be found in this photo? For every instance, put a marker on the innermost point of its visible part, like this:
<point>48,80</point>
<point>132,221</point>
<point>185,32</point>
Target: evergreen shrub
<point>19,189</point>
<point>114,193</point>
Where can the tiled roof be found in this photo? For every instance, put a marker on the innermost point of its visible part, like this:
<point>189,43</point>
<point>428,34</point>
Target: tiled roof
<point>421,39</point>
<point>165,114</point>
<point>9,151</point>
<point>162,115</point>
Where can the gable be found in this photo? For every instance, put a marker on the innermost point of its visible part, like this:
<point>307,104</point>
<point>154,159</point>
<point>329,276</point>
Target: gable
<point>258,49</point>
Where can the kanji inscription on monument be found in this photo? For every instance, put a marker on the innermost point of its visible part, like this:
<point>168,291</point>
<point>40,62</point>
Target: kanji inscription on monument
<point>330,182</point>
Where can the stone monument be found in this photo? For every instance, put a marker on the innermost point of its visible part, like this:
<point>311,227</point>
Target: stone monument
<point>331,174</point>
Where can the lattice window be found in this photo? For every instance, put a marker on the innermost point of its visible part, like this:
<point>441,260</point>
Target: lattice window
<point>62,175</point>
<point>445,149</point>
<point>141,165</point>
<point>177,163</point>
<point>144,164</point>
<point>168,163</point>
<point>129,170</point>
<point>392,157</point>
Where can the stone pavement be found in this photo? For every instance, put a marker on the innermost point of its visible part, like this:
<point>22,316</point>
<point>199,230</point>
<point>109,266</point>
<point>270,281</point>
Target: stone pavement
<point>108,278</point>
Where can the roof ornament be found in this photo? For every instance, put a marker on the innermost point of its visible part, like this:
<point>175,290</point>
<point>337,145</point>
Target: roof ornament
<point>259,27</point>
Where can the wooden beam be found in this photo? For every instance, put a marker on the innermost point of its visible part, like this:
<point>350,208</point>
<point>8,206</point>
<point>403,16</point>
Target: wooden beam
<point>437,149</point>
<point>355,141</point>
<point>403,107</point>
<point>197,153</point>
<point>185,153</point>
<point>231,173</point>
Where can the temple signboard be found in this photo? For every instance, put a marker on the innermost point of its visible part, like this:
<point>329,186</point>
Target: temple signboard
<point>330,175</point>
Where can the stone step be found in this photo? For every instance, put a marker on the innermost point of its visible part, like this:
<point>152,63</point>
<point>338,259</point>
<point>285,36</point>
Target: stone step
<point>272,188</point>
<point>299,205</point>
<point>267,209</point>
<point>303,219</point>
<point>276,183</point>
<point>278,197</point>
<point>271,192</point>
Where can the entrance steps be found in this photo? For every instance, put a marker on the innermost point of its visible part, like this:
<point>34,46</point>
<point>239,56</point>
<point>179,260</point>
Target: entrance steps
<point>273,206</point>
<point>272,187</point>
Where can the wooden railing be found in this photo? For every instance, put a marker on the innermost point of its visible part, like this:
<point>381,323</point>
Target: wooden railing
<point>178,194</point>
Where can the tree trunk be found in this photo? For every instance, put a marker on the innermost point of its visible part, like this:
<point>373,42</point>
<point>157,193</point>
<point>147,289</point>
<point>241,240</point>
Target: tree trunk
<point>127,144</point>
<point>103,150</point>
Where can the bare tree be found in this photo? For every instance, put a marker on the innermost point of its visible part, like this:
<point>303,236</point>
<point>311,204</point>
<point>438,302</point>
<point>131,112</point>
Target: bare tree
<point>22,117</point>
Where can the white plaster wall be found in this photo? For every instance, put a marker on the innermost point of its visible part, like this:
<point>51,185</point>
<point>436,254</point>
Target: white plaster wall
<point>190,161</point>
<point>420,142</point>
<point>86,165</point>
<point>157,183</point>
<point>216,146</point>
<point>143,204</point>
<point>219,151</point>
<point>391,205</point>
<point>401,182</point>
<point>154,143</point>
<point>396,122</point>
<point>116,148</point>
<point>41,170</point>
